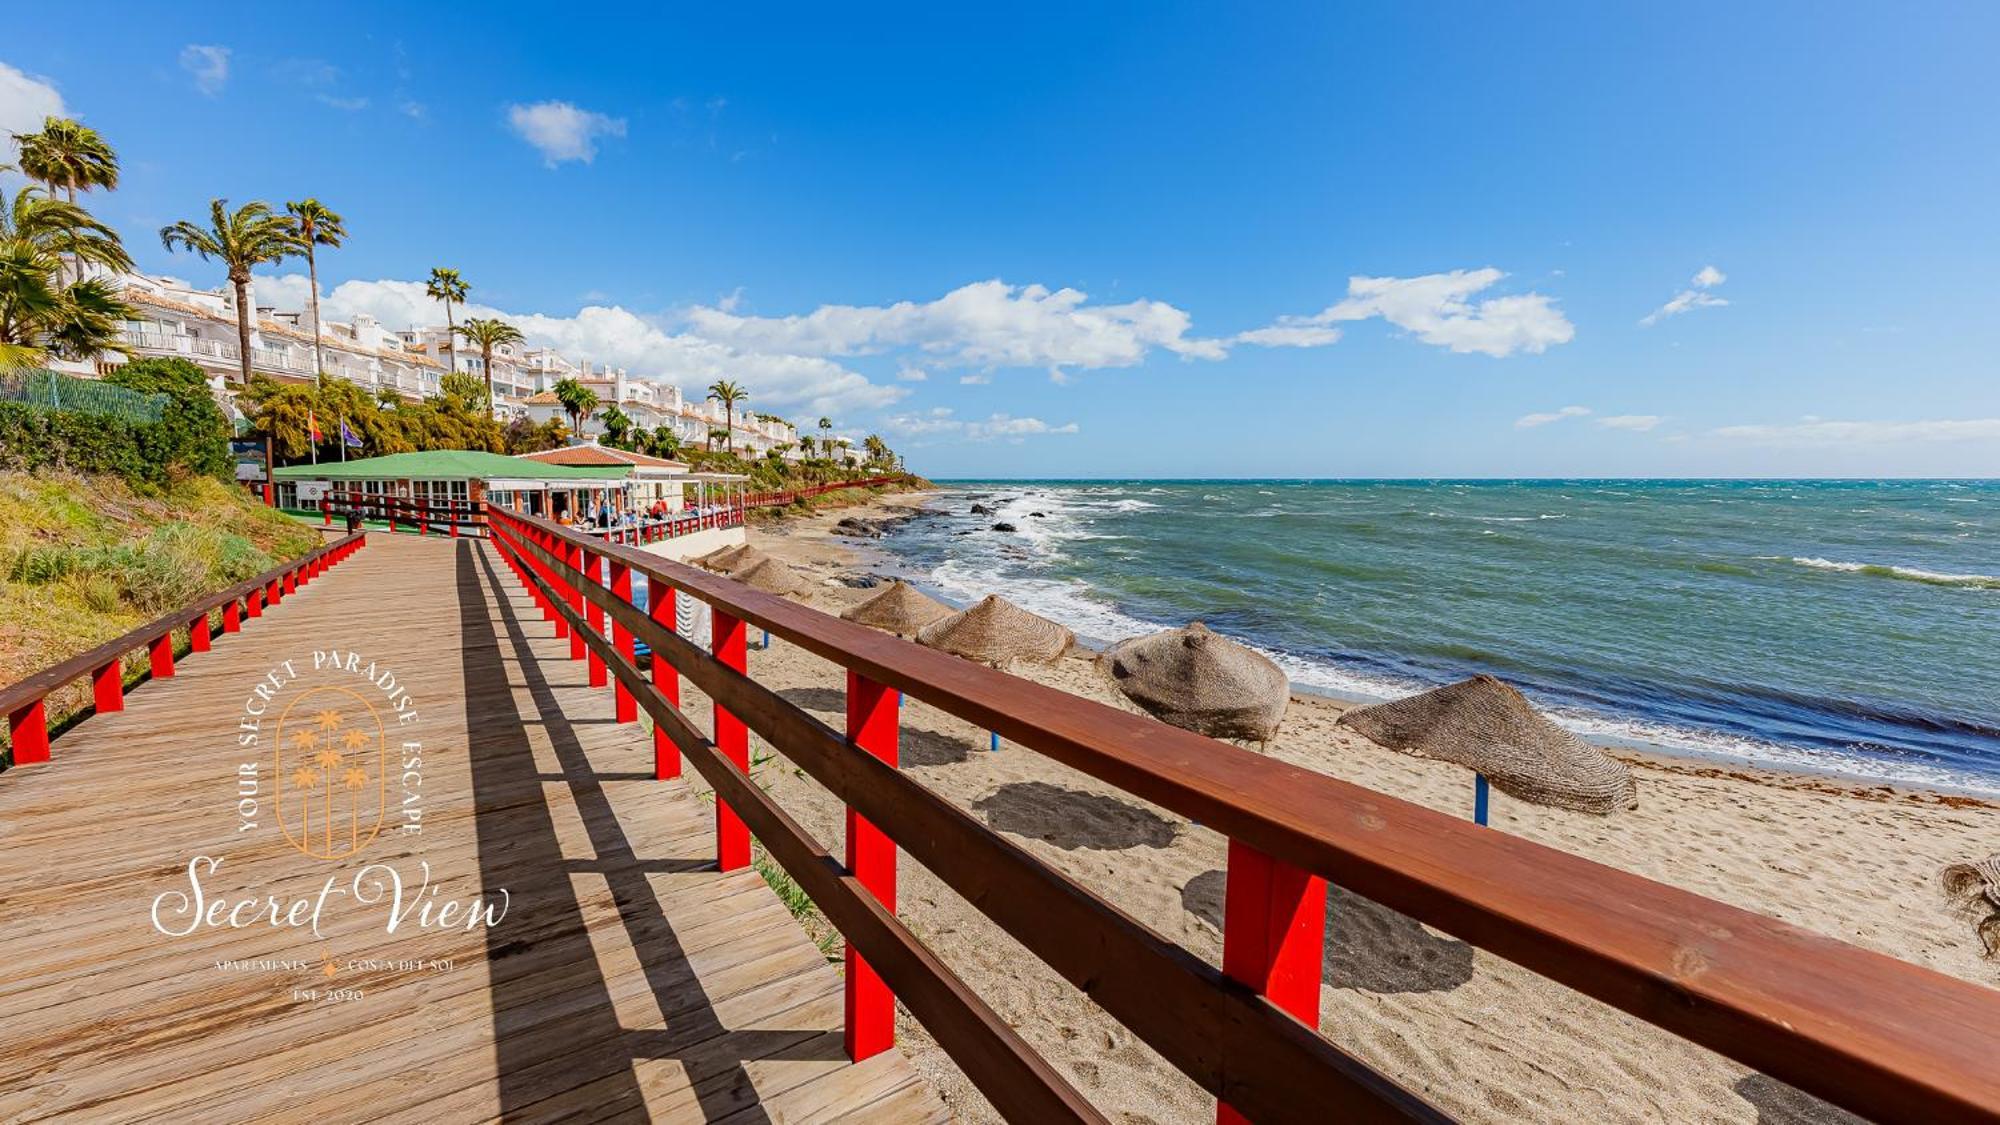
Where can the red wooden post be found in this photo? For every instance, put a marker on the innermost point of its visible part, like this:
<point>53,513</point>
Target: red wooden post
<point>871,856</point>
<point>198,634</point>
<point>624,708</point>
<point>573,555</point>
<point>163,656</point>
<point>732,837</point>
<point>274,593</point>
<point>660,607</point>
<point>291,582</point>
<point>29,730</point>
<point>325,513</point>
<point>232,617</point>
<point>593,573</point>
<point>256,603</point>
<point>1273,936</point>
<point>107,684</point>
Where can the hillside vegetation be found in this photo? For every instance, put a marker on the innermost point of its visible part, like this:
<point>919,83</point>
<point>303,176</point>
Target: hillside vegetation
<point>84,558</point>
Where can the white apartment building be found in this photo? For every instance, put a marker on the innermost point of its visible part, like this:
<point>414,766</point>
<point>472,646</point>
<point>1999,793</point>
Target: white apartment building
<point>514,379</point>
<point>200,325</point>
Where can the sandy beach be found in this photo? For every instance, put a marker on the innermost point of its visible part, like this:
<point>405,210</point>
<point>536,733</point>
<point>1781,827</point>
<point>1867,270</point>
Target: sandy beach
<point>1480,1037</point>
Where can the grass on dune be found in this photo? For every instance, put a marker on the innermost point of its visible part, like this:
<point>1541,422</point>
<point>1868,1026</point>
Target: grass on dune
<point>86,558</point>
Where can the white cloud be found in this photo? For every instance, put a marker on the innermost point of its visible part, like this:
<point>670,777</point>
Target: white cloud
<point>1698,297</point>
<point>561,131</point>
<point>1289,333</point>
<point>940,422</point>
<point>349,104</point>
<point>24,101</point>
<point>1436,309</point>
<point>974,380</point>
<point>986,324</point>
<point>614,335</point>
<point>1639,423</point>
<point>911,374</point>
<point>209,64</point>
<point>1813,432</point>
<point>1530,421</point>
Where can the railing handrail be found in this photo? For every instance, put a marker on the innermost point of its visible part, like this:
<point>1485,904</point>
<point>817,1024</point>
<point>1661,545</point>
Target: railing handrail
<point>1876,1035</point>
<point>38,685</point>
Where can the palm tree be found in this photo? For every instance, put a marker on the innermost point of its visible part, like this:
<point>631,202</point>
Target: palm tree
<point>68,156</point>
<point>39,314</point>
<point>728,394</point>
<point>878,450</point>
<point>317,226</point>
<point>247,237</point>
<point>489,333</point>
<point>577,401</point>
<point>445,285</point>
<point>826,434</point>
<point>806,445</point>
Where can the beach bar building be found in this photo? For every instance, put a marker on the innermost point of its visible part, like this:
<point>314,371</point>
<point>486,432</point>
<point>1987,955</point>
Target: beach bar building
<point>461,475</point>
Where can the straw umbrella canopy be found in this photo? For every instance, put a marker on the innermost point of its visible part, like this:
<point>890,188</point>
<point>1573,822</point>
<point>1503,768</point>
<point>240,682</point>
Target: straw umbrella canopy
<point>714,560</point>
<point>1488,726</point>
<point>1202,682</point>
<point>900,608</point>
<point>739,561</point>
<point>996,631</point>
<point>1973,889</point>
<point>771,575</point>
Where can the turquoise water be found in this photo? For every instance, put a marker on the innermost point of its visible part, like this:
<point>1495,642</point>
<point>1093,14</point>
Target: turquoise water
<point>1849,626</point>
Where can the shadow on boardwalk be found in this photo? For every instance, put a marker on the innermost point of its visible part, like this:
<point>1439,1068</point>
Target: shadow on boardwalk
<point>560,1045</point>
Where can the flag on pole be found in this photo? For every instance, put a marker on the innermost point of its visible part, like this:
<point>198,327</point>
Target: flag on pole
<point>347,438</point>
<point>312,427</point>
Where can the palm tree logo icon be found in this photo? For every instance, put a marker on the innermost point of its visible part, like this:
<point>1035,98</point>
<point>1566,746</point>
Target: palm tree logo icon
<point>333,773</point>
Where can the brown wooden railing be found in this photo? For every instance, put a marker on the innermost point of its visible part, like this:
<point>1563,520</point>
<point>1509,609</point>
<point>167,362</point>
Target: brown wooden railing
<point>421,514</point>
<point>26,702</point>
<point>1878,1036</point>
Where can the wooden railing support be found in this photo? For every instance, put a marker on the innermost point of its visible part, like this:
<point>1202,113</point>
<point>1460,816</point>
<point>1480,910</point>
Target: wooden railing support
<point>593,573</point>
<point>872,714</point>
<point>232,617</point>
<point>732,838</point>
<point>660,606</point>
<point>624,708</point>
<point>163,656</point>
<point>573,558</point>
<point>107,687</point>
<point>1273,936</point>
<point>28,730</point>
<point>198,634</point>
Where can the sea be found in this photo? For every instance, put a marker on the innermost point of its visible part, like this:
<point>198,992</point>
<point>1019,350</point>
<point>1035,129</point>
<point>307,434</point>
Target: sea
<point>1847,627</point>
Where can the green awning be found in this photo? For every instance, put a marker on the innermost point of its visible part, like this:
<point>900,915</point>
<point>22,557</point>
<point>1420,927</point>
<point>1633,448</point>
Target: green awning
<point>451,464</point>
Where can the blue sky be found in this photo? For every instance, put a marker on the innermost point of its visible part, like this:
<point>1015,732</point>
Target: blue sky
<point>1124,240</point>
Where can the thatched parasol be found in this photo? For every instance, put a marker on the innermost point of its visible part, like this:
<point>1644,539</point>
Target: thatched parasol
<point>996,631</point>
<point>1487,726</point>
<point>716,559</point>
<point>1973,890</point>
<point>740,561</point>
<point>1197,680</point>
<point>901,609</point>
<point>771,575</point>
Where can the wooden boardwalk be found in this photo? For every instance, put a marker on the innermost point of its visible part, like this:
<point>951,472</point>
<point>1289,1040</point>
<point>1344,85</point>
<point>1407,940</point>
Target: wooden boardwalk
<point>626,979</point>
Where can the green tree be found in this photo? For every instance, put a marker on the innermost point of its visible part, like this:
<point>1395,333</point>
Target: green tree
<point>468,389</point>
<point>40,313</point>
<point>665,443</point>
<point>617,425</point>
<point>68,156</point>
<point>445,285</point>
<point>488,333</point>
<point>878,450</point>
<point>578,401</point>
<point>317,226</point>
<point>241,239</point>
<point>192,433</point>
<point>523,435</point>
<point>728,394</point>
